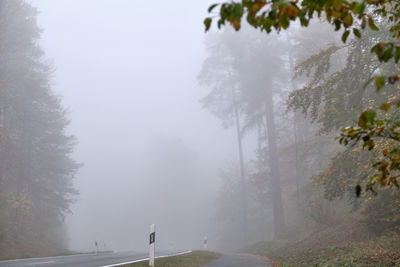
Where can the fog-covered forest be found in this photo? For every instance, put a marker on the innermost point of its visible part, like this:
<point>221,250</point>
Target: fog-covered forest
<point>250,127</point>
<point>36,165</point>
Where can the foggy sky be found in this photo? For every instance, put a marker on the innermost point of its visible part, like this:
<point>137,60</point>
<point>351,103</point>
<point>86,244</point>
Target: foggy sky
<point>126,70</point>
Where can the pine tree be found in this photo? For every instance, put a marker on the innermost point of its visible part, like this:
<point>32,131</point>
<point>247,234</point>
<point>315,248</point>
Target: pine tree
<point>36,169</point>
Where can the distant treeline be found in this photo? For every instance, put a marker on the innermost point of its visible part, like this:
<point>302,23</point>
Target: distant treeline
<point>36,170</point>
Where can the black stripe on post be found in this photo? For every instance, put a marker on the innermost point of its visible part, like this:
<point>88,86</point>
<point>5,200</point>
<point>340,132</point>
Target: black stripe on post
<point>152,238</point>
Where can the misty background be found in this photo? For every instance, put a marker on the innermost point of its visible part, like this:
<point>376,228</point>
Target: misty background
<point>115,115</point>
<point>126,71</point>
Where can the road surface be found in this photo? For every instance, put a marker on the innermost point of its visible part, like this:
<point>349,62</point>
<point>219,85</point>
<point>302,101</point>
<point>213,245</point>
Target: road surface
<point>81,260</point>
<point>239,260</point>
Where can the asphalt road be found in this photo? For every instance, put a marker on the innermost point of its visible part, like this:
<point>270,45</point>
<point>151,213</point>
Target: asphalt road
<point>81,260</point>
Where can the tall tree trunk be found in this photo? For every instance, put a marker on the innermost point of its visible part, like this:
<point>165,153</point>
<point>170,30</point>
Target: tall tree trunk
<point>295,126</point>
<point>242,172</point>
<point>296,142</point>
<point>279,218</point>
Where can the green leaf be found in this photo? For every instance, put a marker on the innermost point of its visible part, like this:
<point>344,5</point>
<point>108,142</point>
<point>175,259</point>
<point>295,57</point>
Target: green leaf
<point>212,7</point>
<point>375,49</point>
<point>337,24</point>
<point>370,116</point>
<point>366,118</point>
<point>304,22</point>
<point>372,24</point>
<point>348,20</point>
<point>283,4</point>
<point>387,54</point>
<point>379,82</point>
<point>357,32</point>
<point>220,23</point>
<point>361,8</point>
<point>385,106</point>
<point>284,21</point>
<point>237,11</point>
<point>345,35</point>
<point>358,8</point>
<point>337,4</point>
<point>397,54</point>
<point>207,23</point>
<point>361,121</point>
<point>372,180</point>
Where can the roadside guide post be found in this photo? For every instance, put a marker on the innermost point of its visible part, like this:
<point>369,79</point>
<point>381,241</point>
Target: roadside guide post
<point>152,244</point>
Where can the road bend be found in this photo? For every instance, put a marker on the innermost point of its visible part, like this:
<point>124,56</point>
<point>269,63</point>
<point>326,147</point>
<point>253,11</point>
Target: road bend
<point>86,260</point>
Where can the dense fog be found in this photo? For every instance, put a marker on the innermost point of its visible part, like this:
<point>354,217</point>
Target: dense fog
<point>127,72</point>
<point>119,114</point>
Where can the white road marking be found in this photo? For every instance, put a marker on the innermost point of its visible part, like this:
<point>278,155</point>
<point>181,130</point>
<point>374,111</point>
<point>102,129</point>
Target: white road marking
<point>146,259</point>
<point>43,258</point>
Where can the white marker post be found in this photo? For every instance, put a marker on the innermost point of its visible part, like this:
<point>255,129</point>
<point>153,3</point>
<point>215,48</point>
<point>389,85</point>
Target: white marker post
<point>205,243</point>
<point>152,244</point>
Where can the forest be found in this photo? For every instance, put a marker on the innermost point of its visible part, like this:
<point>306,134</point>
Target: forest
<point>321,102</point>
<point>36,169</point>
<point>277,136</point>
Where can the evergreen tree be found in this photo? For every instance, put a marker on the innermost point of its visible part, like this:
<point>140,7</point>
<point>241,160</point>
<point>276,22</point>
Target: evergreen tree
<point>244,79</point>
<point>36,169</point>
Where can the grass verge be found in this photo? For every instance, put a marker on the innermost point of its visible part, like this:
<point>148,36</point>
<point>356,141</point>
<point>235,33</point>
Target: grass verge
<point>193,259</point>
<point>321,250</point>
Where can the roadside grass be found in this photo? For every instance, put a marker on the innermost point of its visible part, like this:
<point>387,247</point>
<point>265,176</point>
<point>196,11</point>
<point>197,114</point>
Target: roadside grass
<point>333,246</point>
<point>380,252</point>
<point>193,259</point>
